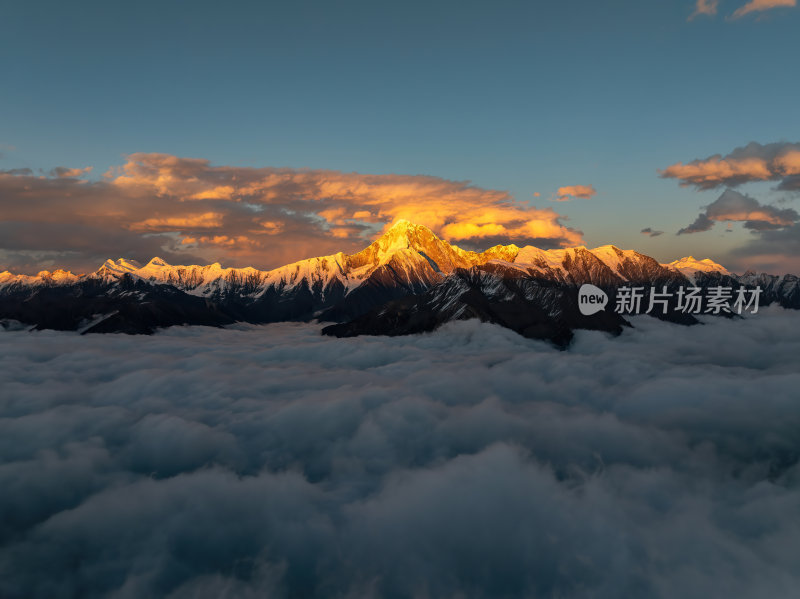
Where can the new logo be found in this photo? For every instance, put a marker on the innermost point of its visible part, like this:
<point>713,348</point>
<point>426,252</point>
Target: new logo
<point>591,299</point>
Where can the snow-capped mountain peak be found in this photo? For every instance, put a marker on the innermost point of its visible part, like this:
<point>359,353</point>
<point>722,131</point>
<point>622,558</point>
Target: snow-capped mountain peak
<point>406,255</point>
<point>690,265</point>
<point>406,280</point>
<point>44,277</point>
<point>117,267</point>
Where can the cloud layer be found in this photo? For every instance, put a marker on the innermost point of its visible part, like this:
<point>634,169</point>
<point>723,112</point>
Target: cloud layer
<point>271,461</point>
<point>181,208</point>
<point>753,162</point>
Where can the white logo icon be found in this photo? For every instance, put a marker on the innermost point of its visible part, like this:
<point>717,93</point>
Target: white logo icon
<point>591,299</point>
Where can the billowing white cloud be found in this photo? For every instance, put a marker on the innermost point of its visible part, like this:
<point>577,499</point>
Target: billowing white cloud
<point>472,462</point>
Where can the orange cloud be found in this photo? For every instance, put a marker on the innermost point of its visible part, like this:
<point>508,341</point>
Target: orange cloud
<point>343,232</point>
<point>736,207</point>
<point>271,227</point>
<point>571,192</point>
<point>163,173</point>
<point>704,7</point>
<point>334,215</point>
<point>222,192</point>
<point>472,230</point>
<point>263,217</point>
<point>70,173</point>
<point>754,162</point>
<point>717,171</point>
<point>238,242</point>
<point>788,163</point>
<point>760,6</point>
<point>207,220</point>
<point>450,208</point>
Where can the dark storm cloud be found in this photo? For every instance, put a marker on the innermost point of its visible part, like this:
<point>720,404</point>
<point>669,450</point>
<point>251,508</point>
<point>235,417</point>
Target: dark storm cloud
<point>271,461</point>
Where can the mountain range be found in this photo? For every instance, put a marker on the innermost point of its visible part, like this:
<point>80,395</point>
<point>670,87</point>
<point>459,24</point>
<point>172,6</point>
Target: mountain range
<point>406,281</point>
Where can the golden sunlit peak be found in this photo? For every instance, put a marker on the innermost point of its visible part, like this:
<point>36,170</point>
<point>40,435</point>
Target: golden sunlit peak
<point>403,229</point>
<point>402,224</point>
<point>690,264</point>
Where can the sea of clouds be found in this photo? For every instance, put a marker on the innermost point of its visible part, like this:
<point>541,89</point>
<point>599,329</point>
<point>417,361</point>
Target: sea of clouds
<point>273,462</point>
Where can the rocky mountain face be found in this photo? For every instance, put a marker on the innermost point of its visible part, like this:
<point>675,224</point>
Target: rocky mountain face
<point>540,309</point>
<point>406,281</point>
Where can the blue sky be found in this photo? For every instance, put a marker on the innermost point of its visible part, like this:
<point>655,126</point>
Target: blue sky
<point>518,96</point>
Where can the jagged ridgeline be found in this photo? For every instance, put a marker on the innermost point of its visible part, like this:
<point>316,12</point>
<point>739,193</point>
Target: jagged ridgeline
<point>407,281</point>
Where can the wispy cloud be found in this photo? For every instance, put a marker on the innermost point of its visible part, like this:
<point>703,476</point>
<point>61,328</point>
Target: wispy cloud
<point>761,6</point>
<point>704,7</point>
